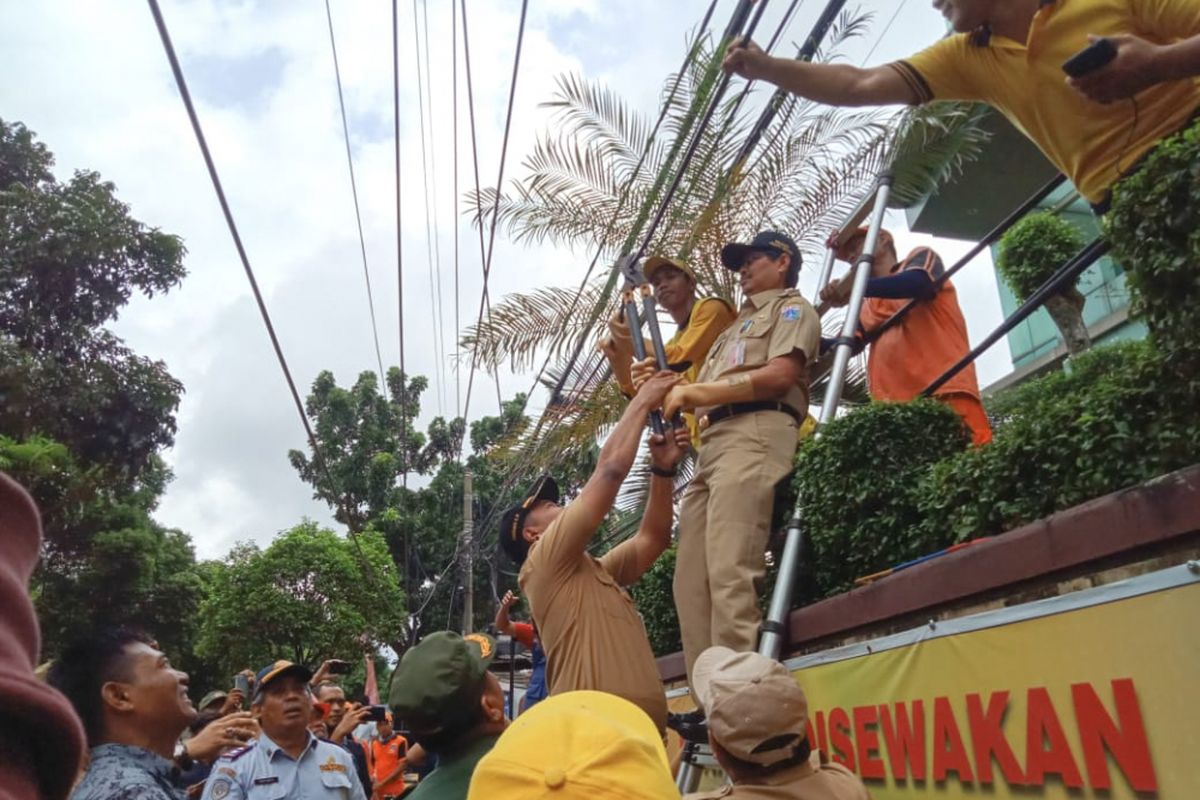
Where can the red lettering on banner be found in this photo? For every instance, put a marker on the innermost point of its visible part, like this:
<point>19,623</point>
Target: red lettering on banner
<point>866,740</point>
<point>842,749</point>
<point>822,741</point>
<point>1127,743</point>
<point>1042,727</point>
<point>905,741</point>
<point>987,739</point>
<point>949,753</point>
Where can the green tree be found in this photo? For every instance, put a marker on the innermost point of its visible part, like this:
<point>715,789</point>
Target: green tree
<point>303,598</point>
<point>71,256</point>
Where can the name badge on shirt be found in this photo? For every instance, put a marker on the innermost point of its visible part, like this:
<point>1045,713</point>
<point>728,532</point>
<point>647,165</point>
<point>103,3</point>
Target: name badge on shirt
<point>266,781</point>
<point>737,354</point>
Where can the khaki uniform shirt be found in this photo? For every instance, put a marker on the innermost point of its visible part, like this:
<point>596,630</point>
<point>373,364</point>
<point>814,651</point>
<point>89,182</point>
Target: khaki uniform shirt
<point>590,630</point>
<point>819,779</point>
<point>770,324</point>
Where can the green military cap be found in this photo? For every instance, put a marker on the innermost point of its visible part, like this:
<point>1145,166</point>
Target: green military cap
<point>438,683</point>
<point>210,698</point>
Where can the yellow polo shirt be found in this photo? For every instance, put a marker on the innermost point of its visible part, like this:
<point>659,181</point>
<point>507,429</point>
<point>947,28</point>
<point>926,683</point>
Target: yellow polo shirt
<point>1089,142</point>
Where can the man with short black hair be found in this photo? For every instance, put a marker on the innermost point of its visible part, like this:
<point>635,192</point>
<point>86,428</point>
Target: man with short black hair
<point>134,705</point>
<point>758,729</point>
<point>342,721</point>
<point>453,707</point>
<point>589,627</point>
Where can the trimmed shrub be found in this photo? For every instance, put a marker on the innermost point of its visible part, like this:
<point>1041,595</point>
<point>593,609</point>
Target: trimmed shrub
<point>1154,226</point>
<point>1118,418</point>
<point>858,486</point>
<point>1030,252</point>
<point>653,598</point>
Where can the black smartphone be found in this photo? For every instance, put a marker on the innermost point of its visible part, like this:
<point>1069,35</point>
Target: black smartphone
<point>1091,58</point>
<point>338,667</point>
<point>376,714</point>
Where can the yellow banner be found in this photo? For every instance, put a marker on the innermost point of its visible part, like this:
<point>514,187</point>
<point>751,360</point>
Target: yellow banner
<point>1096,702</point>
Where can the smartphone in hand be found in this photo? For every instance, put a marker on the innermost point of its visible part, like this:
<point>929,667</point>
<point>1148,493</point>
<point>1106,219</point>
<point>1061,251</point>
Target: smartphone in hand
<point>242,685</point>
<point>1096,55</point>
<point>376,714</point>
<point>338,667</point>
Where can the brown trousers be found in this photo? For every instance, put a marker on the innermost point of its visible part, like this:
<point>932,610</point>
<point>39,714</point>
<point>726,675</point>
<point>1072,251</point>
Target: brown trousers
<point>724,522</point>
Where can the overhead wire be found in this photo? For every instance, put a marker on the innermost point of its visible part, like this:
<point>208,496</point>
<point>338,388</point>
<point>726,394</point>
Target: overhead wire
<point>210,164</point>
<point>483,299</point>
<point>362,243</point>
<point>403,398</point>
<point>439,353</point>
<point>886,29</point>
<point>454,208</point>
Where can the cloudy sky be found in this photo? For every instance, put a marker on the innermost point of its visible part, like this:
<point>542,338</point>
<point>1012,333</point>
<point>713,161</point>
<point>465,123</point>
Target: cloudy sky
<point>90,78</point>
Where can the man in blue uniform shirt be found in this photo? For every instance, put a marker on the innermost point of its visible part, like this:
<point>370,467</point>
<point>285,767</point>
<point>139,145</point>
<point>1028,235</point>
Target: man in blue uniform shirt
<point>286,760</point>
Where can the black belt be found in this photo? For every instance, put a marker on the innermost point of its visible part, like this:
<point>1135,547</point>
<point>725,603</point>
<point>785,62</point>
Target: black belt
<point>733,409</point>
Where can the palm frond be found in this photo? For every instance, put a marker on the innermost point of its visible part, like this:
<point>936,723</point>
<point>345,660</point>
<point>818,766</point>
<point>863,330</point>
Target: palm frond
<point>932,144</point>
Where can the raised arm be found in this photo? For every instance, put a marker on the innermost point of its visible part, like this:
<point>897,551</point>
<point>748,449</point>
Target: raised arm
<point>503,623</point>
<point>612,466</point>
<point>831,84</point>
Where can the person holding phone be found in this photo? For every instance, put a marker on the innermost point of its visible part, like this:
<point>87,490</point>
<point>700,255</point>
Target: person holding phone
<point>389,757</point>
<point>1010,55</point>
<point>342,721</point>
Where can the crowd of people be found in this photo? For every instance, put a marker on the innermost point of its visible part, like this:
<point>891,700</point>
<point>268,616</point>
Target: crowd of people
<point>595,717</point>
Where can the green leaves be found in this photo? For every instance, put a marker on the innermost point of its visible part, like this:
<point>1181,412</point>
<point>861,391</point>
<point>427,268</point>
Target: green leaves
<point>1152,226</point>
<point>303,598</point>
<point>1033,249</point>
<point>858,484</point>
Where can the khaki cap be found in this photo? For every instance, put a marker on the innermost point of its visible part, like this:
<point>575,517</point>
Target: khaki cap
<point>756,710</point>
<point>655,263</point>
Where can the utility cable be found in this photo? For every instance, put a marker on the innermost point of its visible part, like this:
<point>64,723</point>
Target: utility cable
<point>886,29</point>
<point>399,245</point>
<point>362,243</point>
<point>439,353</point>
<point>454,212</point>
<point>210,164</point>
<point>437,236</point>
<point>503,153</point>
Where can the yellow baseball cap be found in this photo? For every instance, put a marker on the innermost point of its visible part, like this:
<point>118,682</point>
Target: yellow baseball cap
<point>655,263</point>
<point>577,745</point>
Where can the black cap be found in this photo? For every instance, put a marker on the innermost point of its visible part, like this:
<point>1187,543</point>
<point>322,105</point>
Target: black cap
<point>512,523</point>
<point>733,255</point>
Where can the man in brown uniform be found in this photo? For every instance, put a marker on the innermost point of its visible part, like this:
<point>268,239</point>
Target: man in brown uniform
<point>758,729</point>
<point>750,398</point>
<point>592,634</point>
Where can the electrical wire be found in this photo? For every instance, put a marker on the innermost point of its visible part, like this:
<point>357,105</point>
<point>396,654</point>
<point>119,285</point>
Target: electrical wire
<point>483,299</point>
<point>362,243</point>
<point>454,210</point>
<point>439,352</point>
<point>886,29</point>
<point>399,246</point>
<point>226,211</point>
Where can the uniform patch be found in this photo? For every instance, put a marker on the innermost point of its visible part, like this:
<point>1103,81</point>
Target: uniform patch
<point>791,313</point>
<point>332,765</point>
<point>485,644</point>
<point>266,781</point>
<point>220,788</point>
<point>234,755</point>
<point>737,354</point>
<point>226,771</point>
<point>747,325</point>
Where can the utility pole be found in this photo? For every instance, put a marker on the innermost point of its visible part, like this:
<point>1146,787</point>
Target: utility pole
<point>468,547</point>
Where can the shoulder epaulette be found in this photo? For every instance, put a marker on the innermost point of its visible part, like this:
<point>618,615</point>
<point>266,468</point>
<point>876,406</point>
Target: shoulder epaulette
<point>234,755</point>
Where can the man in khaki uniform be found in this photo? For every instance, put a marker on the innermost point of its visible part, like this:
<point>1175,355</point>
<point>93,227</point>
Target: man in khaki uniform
<point>758,729</point>
<point>751,395</point>
<point>592,634</point>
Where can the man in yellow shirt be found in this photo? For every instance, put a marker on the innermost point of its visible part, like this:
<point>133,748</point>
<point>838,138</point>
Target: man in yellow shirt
<point>1009,54</point>
<point>699,322</point>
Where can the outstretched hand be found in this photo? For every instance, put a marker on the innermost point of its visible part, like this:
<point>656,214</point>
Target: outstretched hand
<point>642,371</point>
<point>654,390</point>
<point>231,730</point>
<point>746,59</point>
<point>668,449</point>
<point>507,601</point>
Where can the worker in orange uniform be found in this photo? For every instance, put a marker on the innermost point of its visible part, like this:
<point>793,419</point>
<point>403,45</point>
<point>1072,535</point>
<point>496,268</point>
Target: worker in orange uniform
<point>930,339</point>
<point>698,324</point>
<point>389,757</point>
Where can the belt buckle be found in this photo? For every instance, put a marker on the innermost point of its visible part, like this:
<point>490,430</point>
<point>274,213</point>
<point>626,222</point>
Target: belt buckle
<point>703,423</point>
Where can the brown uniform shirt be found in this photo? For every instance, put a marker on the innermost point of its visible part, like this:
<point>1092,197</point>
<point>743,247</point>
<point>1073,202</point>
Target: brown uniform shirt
<point>770,324</point>
<point>590,630</point>
<point>819,779</point>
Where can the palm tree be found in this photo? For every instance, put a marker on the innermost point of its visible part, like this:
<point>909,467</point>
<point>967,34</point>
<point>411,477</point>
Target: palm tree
<point>584,190</point>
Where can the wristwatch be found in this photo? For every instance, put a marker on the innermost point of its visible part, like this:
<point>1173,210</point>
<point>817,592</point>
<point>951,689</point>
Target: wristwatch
<point>663,473</point>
